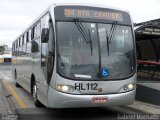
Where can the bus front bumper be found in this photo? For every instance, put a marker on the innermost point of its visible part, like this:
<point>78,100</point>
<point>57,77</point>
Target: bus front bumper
<point>58,99</point>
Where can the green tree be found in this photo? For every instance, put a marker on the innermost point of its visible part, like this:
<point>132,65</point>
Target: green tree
<point>2,48</point>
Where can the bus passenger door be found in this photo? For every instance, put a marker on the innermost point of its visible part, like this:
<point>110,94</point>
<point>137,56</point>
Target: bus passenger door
<point>43,87</point>
<point>47,59</point>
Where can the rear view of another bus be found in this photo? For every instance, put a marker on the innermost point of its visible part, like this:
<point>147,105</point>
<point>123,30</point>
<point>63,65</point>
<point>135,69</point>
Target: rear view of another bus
<point>95,61</point>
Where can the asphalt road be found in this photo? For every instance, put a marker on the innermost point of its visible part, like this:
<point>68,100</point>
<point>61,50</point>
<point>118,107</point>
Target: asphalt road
<point>72,114</point>
<point>30,112</point>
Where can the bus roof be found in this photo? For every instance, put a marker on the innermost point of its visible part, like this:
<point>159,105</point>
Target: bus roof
<point>66,4</point>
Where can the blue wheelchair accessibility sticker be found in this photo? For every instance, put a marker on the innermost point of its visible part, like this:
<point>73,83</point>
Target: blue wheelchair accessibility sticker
<point>105,72</point>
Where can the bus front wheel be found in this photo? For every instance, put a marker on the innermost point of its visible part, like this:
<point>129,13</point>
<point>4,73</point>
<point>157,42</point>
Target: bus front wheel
<point>34,94</point>
<point>15,77</point>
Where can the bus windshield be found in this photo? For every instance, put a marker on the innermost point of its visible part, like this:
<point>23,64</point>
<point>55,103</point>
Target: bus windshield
<point>95,57</point>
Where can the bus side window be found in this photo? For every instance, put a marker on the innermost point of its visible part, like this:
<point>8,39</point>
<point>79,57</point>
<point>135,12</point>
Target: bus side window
<point>21,45</point>
<point>17,47</point>
<point>35,39</point>
<point>24,44</point>
<point>34,32</point>
<point>39,29</point>
<point>28,39</point>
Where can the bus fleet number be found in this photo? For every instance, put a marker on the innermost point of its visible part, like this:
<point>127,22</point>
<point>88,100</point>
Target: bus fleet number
<point>88,86</point>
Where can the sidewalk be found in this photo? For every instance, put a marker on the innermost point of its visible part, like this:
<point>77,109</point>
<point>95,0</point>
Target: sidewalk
<point>147,97</point>
<point>145,107</point>
<point>148,93</point>
<point>4,105</point>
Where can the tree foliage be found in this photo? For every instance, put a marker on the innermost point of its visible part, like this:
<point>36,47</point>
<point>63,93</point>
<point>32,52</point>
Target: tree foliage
<point>2,48</point>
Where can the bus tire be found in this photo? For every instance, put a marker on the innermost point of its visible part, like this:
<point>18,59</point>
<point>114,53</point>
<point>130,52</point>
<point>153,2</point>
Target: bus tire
<point>17,85</point>
<point>15,77</point>
<point>34,94</point>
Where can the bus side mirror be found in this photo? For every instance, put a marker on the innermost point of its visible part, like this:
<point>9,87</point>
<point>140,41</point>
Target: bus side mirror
<point>45,35</point>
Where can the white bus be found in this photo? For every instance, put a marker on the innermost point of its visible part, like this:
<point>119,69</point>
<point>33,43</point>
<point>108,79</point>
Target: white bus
<point>77,56</point>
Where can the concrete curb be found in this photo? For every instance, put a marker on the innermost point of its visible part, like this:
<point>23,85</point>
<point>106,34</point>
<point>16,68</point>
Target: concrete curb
<point>4,104</point>
<point>144,108</point>
<point>8,98</point>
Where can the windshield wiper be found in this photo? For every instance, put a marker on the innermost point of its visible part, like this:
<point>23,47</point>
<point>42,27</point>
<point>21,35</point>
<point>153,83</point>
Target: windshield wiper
<point>107,39</point>
<point>87,37</point>
<point>111,34</point>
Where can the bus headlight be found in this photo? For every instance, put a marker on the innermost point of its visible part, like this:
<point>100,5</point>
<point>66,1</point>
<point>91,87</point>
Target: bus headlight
<point>129,87</point>
<point>64,88</point>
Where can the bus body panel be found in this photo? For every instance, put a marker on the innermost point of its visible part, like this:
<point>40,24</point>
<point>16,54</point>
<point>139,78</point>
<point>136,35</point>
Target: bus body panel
<point>62,100</point>
<point>85,87</point>
<point>24,71</point>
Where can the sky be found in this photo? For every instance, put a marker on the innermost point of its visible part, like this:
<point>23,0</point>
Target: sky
<point>16,15</point>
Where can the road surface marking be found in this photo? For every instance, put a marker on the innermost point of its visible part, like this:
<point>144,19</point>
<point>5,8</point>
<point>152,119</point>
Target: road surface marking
<point>14,93</point>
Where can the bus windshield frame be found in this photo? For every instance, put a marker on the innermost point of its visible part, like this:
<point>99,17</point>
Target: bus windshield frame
<point>98,37</point>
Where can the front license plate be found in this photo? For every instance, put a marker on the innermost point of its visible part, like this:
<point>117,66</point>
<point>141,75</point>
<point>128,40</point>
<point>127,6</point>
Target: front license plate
<point>86,86</point>
<point>99,100</point>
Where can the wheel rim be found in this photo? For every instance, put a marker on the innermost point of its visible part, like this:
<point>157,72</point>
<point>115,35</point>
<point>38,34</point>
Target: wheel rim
<point>34,92</point>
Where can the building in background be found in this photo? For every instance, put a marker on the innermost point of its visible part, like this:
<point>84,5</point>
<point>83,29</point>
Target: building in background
<point>155,22</point>
<point>6,55</point>
<point>148,48</point>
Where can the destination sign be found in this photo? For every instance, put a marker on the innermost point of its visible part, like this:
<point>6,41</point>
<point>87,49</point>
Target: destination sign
<point>150,31</point>
<point>93,14</point>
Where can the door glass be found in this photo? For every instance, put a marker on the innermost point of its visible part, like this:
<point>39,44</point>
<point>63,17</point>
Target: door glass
<point>44,54</point>
<point>47,56</point>
<point>51,56</point>
<point>44,60</point>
